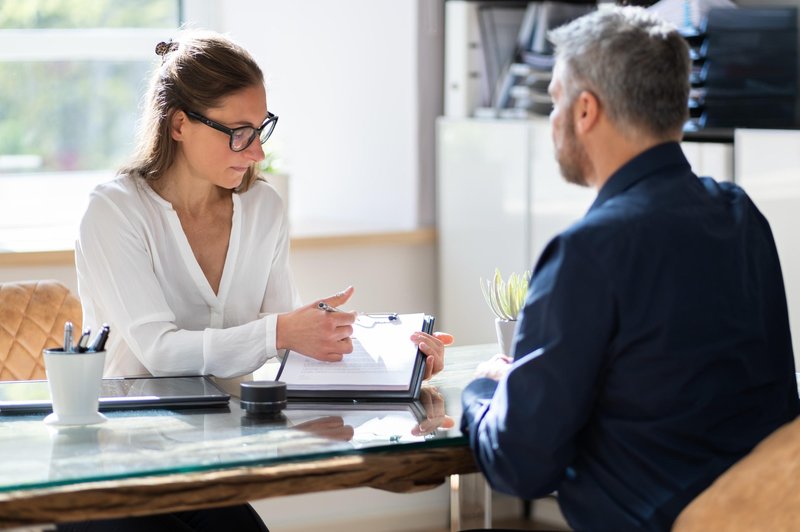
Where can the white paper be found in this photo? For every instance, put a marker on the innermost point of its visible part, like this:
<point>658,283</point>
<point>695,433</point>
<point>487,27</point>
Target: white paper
<point>383,358</point>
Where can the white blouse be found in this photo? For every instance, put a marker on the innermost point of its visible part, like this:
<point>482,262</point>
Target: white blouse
<point>137,272</point>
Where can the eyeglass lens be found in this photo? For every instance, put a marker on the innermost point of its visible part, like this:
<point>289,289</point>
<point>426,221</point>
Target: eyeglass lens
<point>242,137</point>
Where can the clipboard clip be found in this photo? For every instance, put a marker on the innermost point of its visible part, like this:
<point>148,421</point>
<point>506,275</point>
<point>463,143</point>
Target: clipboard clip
<point>370,320</point>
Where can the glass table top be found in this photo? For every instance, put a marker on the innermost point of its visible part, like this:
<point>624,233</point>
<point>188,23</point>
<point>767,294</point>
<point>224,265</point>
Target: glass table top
<point>147,442</point>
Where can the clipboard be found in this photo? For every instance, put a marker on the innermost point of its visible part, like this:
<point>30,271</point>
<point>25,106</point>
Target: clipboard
<point>384,366</point>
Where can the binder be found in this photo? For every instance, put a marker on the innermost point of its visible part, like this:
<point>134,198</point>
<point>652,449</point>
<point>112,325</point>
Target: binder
<point>385,363</point>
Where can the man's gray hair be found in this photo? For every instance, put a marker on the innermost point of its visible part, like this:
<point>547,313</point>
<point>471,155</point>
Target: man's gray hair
<point>635,63</point>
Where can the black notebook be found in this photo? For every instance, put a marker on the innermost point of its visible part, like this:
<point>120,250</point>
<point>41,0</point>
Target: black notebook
<point>119,393</point>
<point>385,364</point>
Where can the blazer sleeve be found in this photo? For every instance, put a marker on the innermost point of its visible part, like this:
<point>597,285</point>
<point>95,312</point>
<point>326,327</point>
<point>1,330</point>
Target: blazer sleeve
<point>523,433</point>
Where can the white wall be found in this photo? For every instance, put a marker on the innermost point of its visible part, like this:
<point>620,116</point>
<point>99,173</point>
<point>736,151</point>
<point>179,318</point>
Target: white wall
<point>772,183</point>
<point>344,77</point>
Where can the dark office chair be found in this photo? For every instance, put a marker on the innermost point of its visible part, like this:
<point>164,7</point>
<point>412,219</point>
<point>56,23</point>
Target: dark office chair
<point>32,316</point>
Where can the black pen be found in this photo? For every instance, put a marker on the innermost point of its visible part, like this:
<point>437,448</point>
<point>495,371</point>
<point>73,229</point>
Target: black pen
<point>100,341</point>
<point>80,346</point>
<point>327,308</point>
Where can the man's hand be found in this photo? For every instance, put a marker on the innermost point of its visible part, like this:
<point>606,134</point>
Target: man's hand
<point>495,368</point>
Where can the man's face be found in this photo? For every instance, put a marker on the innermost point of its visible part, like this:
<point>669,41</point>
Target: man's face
<point>570,153</point>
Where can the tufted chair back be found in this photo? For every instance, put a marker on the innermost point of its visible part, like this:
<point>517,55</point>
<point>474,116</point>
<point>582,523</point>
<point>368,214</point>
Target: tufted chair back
<point>32,316</point>
<point>759,492</point>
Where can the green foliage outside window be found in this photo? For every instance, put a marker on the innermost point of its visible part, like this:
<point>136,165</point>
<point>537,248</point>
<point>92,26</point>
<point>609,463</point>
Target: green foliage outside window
<point>62,115</point>
<point>41,14</point>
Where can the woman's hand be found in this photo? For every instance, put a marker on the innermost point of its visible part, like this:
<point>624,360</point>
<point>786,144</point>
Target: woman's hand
<point>435,414</point>
<point>432,345</point>
<point>330,427</point>
<point>317,333</point>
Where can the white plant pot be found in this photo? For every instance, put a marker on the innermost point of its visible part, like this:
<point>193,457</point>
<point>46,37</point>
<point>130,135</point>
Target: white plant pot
<point>505,334</point>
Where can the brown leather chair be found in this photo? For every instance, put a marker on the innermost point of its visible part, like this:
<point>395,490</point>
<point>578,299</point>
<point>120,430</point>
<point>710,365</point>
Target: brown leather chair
<point>32,317</point>
<point>759,492</point>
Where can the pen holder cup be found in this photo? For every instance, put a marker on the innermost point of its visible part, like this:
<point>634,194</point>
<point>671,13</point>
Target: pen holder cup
<point>74,380</point>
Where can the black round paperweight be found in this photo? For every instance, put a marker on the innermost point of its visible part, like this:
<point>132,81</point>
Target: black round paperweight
<point>263,398</point>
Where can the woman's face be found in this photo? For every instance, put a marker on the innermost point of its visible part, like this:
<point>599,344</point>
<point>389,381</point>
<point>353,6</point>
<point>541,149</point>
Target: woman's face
<point>207,151</point>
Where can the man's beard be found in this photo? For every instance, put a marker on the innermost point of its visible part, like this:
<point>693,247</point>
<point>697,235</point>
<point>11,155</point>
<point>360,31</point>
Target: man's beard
<point>572,158</point>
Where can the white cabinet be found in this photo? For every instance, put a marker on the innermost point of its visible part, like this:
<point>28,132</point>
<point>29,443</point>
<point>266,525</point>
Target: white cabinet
<point>712,159</point>
<point>500,199</point>
<point>767,166</point>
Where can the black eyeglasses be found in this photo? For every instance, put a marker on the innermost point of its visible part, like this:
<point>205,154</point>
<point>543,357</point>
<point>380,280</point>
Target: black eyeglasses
<point>241,137</point>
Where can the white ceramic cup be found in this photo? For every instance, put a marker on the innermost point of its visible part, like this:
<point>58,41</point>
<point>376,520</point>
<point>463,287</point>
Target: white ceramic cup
<point>74,380</point>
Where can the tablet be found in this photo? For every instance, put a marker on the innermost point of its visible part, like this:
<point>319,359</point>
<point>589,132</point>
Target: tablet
<point>120,393</point>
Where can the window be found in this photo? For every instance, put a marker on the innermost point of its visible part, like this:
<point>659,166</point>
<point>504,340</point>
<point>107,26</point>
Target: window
<point>72,73</point>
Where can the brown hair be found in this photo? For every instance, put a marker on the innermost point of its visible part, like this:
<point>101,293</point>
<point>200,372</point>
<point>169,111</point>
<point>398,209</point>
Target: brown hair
<point>196,71</point>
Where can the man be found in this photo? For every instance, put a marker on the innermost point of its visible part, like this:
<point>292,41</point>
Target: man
<point>654,348</point>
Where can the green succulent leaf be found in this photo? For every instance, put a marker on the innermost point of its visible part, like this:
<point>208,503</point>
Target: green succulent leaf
<point>506,299</point>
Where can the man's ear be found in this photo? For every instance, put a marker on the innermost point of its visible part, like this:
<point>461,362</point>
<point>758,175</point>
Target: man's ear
<point>176,123</point>
<point>586,112</point>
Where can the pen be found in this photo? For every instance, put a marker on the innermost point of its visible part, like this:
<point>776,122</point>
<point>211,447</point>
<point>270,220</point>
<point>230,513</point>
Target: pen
<point>68,337</point>
<point>100,341</point>
<point>327,308</point>
<point>80,345</point>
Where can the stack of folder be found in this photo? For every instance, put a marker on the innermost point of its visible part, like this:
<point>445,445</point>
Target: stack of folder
<point>745,71</point>
<point>521,87</point>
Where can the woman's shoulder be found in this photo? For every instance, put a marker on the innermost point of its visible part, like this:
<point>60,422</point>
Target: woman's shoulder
<point>126,190</point>
<point>261,195</point>
<point>122,197</point>
<point>118,189</point>
<point>261,187</point>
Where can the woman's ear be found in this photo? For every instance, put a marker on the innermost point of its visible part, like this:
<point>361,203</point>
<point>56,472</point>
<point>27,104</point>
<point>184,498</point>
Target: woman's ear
<point>586,112</point>
<point>176,123</point>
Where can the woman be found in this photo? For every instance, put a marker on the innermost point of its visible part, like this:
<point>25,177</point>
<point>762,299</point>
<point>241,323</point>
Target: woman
<point>185,254</point>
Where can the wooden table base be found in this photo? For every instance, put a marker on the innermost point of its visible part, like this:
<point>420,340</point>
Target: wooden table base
<point>405,471</point>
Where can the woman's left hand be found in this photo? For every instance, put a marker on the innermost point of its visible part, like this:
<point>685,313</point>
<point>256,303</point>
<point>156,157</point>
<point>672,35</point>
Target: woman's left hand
<point>432,345</point>
<point>435,413</point>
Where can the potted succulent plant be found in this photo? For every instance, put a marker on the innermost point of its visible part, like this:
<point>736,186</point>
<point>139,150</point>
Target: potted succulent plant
<point>506,299</point>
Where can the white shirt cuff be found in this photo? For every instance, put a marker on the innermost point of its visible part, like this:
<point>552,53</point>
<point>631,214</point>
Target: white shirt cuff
<point>271,322</point>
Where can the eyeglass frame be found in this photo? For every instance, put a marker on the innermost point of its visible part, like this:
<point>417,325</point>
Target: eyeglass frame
<point>271,119</point>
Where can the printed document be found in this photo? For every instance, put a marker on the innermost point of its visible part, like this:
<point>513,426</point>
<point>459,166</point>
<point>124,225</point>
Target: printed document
<point>383,358</point>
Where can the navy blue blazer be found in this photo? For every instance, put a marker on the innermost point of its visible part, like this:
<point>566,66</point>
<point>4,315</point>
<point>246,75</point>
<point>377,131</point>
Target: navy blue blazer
<point>652,353</point>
